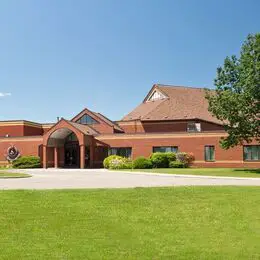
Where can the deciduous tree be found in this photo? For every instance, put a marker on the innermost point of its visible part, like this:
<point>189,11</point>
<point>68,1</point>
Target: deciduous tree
<point>236,100</point>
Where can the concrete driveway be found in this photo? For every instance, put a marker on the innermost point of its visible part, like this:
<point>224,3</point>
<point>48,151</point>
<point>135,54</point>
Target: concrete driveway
<point>101,178</point>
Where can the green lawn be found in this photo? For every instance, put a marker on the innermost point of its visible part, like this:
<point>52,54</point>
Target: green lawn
<point>255,173</point>
<point>5,175</point>
<point>141,223</point>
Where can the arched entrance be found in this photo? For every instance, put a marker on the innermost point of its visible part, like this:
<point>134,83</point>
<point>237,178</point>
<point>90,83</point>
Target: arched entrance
<point>68,144</point>
<point>71,151</point>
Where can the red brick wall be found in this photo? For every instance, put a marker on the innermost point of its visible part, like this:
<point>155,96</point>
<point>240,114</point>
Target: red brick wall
<point>164,127</point>
<point>206,126</point>
<point>132,127</point>
<point>20,130</point>
<point>26,146</point>
<point>143,146</point>
<point>11,130</point>
<point>31,131</point>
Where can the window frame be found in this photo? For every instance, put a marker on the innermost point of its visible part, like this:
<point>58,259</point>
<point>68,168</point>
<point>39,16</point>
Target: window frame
<point>94,121</point>
<point>214,154</point>
<point>172,146</point>
<point>196,130</point>
<point>111,148</point>
<point>251,160</point>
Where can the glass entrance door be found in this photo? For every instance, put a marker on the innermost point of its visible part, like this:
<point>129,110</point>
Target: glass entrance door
<point>71,155</point>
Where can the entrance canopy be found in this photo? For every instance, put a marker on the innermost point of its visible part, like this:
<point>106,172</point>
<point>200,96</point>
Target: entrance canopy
<point>64,127</point>
<point>56,136</point>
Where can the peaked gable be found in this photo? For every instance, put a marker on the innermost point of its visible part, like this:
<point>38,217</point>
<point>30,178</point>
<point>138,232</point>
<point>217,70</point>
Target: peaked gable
<point>96,120</point>
<point>156,94</point>
<point>87,120</point>
<point>181,103</point>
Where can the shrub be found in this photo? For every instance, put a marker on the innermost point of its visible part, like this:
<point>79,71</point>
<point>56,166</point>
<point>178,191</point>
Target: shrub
<point>177,164</point>
<point>159,160</point>
<point>186,158</point>
<point>171,156</point>
<point>24,162</point>
<point>107,160</point>
<point>142,163</point>
<point>120,163</point>
<point>117,162</point>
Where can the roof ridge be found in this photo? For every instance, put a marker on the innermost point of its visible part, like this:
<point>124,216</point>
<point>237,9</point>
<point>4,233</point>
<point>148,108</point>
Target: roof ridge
<point>174,86</point>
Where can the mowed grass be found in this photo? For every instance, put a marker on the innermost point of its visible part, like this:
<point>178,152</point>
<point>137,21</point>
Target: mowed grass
<point>5,175</point>
<point>141,223</point>
<point>252,173</point>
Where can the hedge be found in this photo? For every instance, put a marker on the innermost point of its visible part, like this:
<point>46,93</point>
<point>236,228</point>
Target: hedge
<point>24,162</point>
<point>160,160</point>
<point>156,160</point>
<point>142,163</point>
<point>177,164</point>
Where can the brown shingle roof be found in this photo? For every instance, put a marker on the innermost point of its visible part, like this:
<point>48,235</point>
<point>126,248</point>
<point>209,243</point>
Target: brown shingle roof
<point>108,121</point>
<point>180,103</point>
<point>85,129</point>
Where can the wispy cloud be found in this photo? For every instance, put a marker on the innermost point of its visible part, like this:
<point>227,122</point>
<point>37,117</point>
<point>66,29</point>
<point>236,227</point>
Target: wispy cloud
<point>4,94</point>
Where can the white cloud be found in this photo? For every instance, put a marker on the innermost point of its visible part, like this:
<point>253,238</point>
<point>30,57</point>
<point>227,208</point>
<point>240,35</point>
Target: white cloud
<point>4,94</point>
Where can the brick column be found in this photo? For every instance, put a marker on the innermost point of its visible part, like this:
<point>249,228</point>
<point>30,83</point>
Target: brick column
<point>82,156</point>
<point>91,155</point>
<point>44,156</point>
<point>56,159</point>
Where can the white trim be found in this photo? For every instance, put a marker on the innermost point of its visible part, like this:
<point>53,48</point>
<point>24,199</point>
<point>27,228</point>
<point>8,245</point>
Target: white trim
<point>155,91</point>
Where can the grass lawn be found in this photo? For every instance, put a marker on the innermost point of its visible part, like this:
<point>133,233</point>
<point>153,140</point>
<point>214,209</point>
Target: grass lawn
<point>5,175</point>
<point>255,173</point>
<point>141,223</point>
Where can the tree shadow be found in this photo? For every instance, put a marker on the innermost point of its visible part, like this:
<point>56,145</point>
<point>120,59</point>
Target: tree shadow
<point>256,171</point>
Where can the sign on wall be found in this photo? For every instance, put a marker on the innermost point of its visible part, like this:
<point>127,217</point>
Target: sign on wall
<point>12,153</point>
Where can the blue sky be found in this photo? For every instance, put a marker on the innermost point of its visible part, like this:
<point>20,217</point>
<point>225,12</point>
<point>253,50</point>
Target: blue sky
<point>57,57</point>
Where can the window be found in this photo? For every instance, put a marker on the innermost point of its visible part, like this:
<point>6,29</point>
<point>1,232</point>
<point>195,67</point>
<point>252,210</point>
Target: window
<point>156,95</point>
<point>71,137</point>
<point>251,152</point>
<point>87,120</point>
<point>165,149</point>
<point>209,153</point>
<point>121,151</point>
<point>193,127</point>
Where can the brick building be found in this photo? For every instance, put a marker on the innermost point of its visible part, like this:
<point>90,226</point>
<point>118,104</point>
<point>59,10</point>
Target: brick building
<point>170,118</point>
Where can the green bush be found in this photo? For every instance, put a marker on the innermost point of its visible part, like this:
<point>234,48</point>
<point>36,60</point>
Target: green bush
<point>107,160</point>
<point>142,163</point>
<point>120,163</point>
<point>160,160</point>
<point>117,162</point>
<point>177,164</point>
<point>171,156</point>
<point>24,162</point>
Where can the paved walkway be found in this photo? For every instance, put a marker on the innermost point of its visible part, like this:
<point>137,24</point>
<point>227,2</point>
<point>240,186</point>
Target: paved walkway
<point>101,178</point>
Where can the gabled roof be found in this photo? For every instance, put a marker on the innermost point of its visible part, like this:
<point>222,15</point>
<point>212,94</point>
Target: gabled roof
<point>108,121</point>
<point>96,115</point>
<point>179,103</point>
<point>85,129</point>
